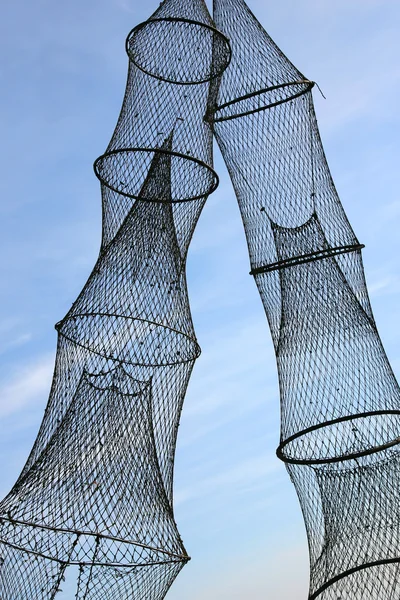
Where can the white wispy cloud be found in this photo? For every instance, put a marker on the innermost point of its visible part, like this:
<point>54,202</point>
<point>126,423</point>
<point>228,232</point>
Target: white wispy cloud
<point>240,476</point>
<point>26,386</point>
<point>125,5</point>
<point>10,334</point>
<point>272,574</point>
<point>383,283</point>
<point>15,342</point>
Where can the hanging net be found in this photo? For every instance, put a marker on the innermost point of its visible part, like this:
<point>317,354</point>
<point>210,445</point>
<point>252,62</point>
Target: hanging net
<point>96,491</point>
<point>340,402</point>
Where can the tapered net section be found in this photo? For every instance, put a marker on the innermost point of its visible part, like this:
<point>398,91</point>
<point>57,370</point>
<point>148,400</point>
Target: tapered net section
<point>339,398</point>
<point>107,479</point>
<point>260,75</point>
<point>134,309</point>
<point>281,176</point>
<point>353,526</point>
<point>331,363</point>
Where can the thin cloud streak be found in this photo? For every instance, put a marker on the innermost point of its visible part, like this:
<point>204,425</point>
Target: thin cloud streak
<point>26,387</point>
<point>242,475</point>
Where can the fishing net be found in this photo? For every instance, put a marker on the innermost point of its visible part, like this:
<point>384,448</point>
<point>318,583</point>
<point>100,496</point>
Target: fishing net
<point>96,491</point>
<point>340,404</point>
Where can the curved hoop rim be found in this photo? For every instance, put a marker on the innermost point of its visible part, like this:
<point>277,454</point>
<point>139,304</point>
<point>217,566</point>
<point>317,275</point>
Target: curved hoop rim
<point>193,341</point>
<point>178,20</point>
<point>306,82</point>
<point>80,563</point>
<point>342,458</point>
<point>307,258</point>
<point>197,161</point>
<point>91,534</point>
<point>377,563</point>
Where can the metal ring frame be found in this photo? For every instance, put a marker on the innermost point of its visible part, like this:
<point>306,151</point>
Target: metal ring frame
<point>89,534</point>
<point>215,31</point>
<point>80,563</point>
<point>294,461</point>
<point>193,341</point>
<point>199,162</point>
<point>306,258</point>
<point>309,85</point>
<point>377,563</point>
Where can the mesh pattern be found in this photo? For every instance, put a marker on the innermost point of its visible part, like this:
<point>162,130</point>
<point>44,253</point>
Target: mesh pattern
<point>99,480</point>
<point>260,75</point>
<point>96,491</point>
<point>340,402</point>
<point>24,576</point>
<point>179,50</point>
<point>157,104</point>
<point>141,583</point>
<point>353,525</point>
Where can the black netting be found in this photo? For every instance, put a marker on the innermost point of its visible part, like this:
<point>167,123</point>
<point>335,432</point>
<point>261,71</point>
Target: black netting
<point>96,491</point>
<point>353,525</point>
<point>275,156</point>
<point>260,75</point>
<point>173,48</point>
<point>340,402</point>
<point>138,583</point>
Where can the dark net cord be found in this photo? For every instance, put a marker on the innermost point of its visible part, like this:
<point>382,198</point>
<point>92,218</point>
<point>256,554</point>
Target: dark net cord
<point>97,489</point>
<point>340,401</point>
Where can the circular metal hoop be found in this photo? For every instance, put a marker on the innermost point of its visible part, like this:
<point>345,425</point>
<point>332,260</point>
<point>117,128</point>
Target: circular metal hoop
<point>351,419</point>
<point>125,170</point>
<point>371,565</point>
<point>306,258</point>
<point>170,557</point>
<point>261,100</point>
<point>179,51</point>
<point>159,345</point>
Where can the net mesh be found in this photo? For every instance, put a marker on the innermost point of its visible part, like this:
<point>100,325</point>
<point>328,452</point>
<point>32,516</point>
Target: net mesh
<point>96,492</point>
<point>97,489</point>
<point>340,404</point>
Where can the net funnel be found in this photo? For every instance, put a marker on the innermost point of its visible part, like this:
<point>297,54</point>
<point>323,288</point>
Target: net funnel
<point>353,525</point>
<point>339,396</point>
<point>267,77</point>
<point>108,480</point>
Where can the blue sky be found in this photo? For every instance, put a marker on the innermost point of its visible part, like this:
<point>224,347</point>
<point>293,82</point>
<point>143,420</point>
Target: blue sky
<point>62,72</point>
